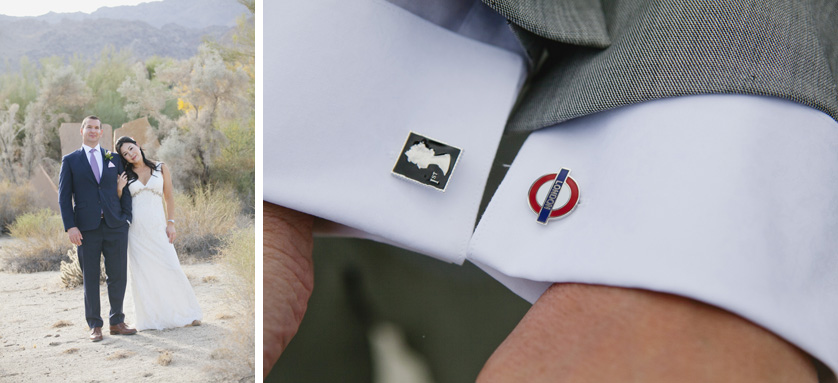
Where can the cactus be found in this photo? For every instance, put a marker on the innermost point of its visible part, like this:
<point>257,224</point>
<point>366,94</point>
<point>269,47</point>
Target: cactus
<point>71,275</point>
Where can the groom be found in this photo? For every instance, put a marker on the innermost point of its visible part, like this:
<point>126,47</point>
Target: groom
<point>97,220</point>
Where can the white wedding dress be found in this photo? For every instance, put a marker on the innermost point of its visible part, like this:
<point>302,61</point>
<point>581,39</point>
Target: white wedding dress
<point>163,297</point>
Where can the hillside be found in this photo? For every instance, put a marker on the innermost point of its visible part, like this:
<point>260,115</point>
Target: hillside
<point>172,28</point>
<point>186,13</point>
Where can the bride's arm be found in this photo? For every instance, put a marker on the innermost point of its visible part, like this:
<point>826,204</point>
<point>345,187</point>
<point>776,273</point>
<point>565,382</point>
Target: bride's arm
<point>169,197</point>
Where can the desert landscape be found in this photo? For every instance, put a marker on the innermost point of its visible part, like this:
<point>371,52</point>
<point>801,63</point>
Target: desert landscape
<point>178,76</point>
<point>43,335</point>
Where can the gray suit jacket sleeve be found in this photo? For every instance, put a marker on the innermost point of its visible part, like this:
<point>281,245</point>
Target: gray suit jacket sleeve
<point>596,56</point>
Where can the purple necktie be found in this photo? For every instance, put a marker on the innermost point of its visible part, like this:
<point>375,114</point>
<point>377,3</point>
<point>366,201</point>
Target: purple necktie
<point>94,165</point>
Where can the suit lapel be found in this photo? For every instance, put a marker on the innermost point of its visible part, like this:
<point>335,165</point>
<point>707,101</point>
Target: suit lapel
<point>105,163</point>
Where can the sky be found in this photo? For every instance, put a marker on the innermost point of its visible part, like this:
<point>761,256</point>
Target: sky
<point>40,7</point>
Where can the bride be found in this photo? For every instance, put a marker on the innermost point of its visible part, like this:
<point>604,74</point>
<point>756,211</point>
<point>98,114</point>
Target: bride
<point>163,297</point>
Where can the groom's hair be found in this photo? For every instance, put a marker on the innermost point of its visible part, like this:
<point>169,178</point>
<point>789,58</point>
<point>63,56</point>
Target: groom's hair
<point>91,117</point>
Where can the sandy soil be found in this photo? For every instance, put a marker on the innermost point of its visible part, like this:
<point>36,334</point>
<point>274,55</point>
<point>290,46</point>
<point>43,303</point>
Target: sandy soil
<point>43,335</point>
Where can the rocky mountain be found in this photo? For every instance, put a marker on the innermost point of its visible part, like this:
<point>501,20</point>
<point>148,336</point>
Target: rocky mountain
<point>195,14</point>
<point>172,28</point>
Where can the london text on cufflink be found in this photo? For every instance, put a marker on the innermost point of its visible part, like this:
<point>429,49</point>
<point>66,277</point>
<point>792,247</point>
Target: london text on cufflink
<point>426,161</point>
<point>566,198</point>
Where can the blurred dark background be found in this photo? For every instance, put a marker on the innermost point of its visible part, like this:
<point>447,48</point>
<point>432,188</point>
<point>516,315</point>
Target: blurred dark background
<point>372,303</point>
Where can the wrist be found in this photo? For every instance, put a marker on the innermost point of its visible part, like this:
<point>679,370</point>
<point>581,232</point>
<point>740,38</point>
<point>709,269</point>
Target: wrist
<point>637,333</point>
<point>286,255</point>
<point>170,222</point>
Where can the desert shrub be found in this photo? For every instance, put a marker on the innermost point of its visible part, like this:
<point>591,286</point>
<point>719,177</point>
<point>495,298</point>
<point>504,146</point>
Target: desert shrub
<point>204,220</point>
<point>41,243</point>
<point>238,255</point>
<point>236,164</point>
<point>15,200</point>
<point>165,358</point>
<point>71,275</point>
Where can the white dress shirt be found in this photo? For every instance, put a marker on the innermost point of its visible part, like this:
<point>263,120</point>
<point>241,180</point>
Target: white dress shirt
<point>726,199</point>
<point>97,153</point>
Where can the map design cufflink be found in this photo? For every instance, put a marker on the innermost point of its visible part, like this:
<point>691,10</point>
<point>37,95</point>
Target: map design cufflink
<point>426,161</point>
<point>557,200</point>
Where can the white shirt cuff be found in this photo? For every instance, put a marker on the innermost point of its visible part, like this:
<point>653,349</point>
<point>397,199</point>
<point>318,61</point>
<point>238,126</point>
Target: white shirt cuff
<point>345,83</point>
<point>726,199</point>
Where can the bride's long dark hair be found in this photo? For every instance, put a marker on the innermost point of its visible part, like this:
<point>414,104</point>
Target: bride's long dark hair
<point>129,167</point>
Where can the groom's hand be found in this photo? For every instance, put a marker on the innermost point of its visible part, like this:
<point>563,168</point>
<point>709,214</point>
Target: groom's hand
<point>288,277</point>
<point>75,236</point>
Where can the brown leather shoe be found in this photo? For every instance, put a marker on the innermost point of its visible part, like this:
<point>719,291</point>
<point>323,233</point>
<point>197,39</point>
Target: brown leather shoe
<point>122,329</point>
<point>96,334</point>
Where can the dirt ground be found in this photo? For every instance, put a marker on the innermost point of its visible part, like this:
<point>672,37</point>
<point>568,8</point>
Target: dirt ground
<point>43,336</point>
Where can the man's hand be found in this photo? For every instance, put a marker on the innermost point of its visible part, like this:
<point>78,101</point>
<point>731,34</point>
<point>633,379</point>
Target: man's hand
<point>288,277</point>
<point>75,236</point>
<point>589,333</point>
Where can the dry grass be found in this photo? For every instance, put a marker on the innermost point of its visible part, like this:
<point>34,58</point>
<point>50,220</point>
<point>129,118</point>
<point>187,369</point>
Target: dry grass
<point>221,353</point>
<point>117,355</point>
<point>165,358</point>
<point>209,279</point>
<point>71,350</point>
<point>239,255</point>
<point>71,275</point>
<point>62,323</point>
<point>236,357</point>
<point>42,244</point>
<point>204,220</point>
<point>15,200</point>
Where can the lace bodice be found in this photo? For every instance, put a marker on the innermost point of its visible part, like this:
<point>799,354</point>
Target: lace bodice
<point>154,185</point>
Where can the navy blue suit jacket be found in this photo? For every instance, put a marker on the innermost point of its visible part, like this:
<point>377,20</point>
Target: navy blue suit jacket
<point>77,183</point>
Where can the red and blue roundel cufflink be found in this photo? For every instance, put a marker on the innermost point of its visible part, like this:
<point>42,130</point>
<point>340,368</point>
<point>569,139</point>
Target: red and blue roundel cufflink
<point>556,204</point>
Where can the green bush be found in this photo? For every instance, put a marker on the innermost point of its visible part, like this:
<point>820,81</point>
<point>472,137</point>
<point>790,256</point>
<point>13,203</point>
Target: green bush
<point>236,166</point>
<point>42,243</point>
<point>15,200</point>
